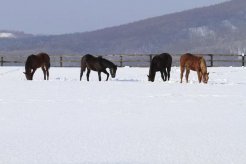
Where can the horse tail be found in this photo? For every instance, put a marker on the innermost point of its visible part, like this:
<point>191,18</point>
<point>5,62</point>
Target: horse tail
<point>82,67</point>
<point>48,65</point>
<point>169,65</point>
<point>181,61</point>
<point>170,60</point>
<point>46,59</point>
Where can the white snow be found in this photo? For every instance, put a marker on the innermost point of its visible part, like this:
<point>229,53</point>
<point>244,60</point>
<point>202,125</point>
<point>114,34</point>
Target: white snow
<point>6,35</point>
<point>229,25</point>
<point>202,31</point>
<point>124,120</point>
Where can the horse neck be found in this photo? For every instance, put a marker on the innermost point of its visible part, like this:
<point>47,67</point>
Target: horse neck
<point>203,66</point>
<point>151,70</point>
<point>108,64</point>
<point>28,65</point>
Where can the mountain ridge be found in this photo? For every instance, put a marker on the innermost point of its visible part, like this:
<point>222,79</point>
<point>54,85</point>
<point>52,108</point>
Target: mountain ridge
<point>214,29</point>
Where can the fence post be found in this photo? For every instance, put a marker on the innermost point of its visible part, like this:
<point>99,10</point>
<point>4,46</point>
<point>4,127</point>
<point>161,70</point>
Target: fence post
<point>243,61</point>
<point>211,60</point>
<point>1,61</point>
<point>61,61</point>
<point>121,61</point>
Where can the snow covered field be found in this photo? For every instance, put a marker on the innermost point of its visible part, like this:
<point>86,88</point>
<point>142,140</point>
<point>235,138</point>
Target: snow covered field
<point>124,120</point>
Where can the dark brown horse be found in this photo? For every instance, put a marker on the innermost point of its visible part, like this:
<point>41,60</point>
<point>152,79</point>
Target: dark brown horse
<point>36,61</point>
<point>162,63</point>
<point>195,63</point>
<point>98,64</point>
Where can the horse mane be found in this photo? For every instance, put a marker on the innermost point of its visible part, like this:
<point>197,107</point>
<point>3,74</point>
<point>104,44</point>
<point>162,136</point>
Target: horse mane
<point>109,63</point>
<point>203,64</point>
<point>154,61</point>
<point>152,66</point>
<point>29,62</point>
<point>151,70</point>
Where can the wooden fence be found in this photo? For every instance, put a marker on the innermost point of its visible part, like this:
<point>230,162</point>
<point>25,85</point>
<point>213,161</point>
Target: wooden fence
<point>134,60</point>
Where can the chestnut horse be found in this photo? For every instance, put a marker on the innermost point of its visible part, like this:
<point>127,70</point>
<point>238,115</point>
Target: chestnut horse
<point>162,63</point>
<point>98,64</point>
<point>36,61</point>
<point>194,63</point>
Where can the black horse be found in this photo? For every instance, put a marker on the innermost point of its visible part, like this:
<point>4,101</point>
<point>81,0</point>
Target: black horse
<point>36,61</point>
<point>98,64</point>
<point>162,63</point>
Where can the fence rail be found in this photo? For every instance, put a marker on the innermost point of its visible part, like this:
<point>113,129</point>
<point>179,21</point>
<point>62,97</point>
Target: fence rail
<point>137,60</point>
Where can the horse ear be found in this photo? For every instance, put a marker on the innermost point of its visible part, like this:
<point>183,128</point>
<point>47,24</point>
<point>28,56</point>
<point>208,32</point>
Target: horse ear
<point>208,73</point>
<point>24,73</point>
<point>148,76</point>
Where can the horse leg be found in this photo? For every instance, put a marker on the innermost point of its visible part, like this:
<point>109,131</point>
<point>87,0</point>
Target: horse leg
<point>182,69</point>
<point>199,75</point>
<point>81,73</point>
<point>88,74</point>
<point>44,71</point>
<point>82,70</point>
<point>99,75</point>
<point>47,67</point>
<point>48,74</point>
<point>187,74</point>
<point>168,72</point>
<point>33,73</point>
<point>162,75</point>
<point>165,73</point>
<point>104,71</point>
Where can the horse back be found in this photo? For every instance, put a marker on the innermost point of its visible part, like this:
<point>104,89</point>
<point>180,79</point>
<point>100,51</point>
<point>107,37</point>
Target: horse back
<point>161,61</point>
<point>91,62</point>
<point>43,57</point>
<point>39,60</point>
<point>191,61</point>
<point>166,59</point>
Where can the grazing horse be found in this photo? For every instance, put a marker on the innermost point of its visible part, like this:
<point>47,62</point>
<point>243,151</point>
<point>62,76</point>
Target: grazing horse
<point>36,61</point>
<point>162,63</point>
<point>98,64</point>
<point>194,63</point>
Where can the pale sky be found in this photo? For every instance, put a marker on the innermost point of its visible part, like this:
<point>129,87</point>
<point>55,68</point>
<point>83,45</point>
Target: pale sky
<point>69,16</point>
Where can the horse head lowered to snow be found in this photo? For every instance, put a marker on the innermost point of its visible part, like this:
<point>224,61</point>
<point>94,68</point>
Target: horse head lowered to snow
<point>162,63</point>
<point>98,64</point>
<point>36,61</point>
<point>195,63</point>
